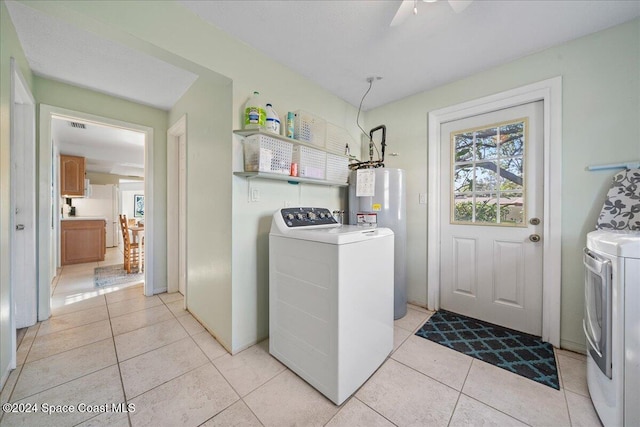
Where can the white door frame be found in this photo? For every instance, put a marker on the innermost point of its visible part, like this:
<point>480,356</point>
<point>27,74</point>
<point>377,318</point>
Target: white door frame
<point>173,203</point>
<point>47,218</point>
<point>550,93</point>
<point>26,138</point>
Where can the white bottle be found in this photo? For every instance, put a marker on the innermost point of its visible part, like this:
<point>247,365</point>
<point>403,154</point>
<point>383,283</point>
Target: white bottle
<point>272,122</point>
<point>254,112</point>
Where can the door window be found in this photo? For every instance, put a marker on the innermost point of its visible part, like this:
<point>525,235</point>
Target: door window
<point>488,169</point>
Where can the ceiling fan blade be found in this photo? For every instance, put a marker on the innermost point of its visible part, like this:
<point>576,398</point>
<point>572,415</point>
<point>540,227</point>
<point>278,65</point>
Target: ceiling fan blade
<point>404,11</point>
<point>459,5</point>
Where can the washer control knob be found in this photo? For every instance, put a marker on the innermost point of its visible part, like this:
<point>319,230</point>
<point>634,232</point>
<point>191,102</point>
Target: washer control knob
<point>323,215</point>
<point>290,216</point>
<point>311,215</point>
<point>299,216</point>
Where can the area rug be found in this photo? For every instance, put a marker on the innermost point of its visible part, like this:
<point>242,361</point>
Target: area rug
<point>514,351</point>
<point>115,275</point>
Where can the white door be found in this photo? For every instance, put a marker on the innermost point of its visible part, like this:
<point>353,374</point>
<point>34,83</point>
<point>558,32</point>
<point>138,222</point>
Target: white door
<point>23,203</point>
<point>491,210</point>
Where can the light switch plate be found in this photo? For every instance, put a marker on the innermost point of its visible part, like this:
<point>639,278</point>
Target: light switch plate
<point>422,198</point>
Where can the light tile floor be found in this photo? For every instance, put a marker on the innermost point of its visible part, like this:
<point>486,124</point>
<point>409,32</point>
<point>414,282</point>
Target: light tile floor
<point>118,346</point>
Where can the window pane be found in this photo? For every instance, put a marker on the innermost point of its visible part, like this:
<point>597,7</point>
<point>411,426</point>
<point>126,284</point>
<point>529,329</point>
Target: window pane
<point>487,143</point>
<point>486,208</point>
<point>463,178</point>
<point>486,178</point>
<point>511,174</point>
<point>512,208</point>
<point>463,147</point>
<point>512,140</point>
<point>463,208</point>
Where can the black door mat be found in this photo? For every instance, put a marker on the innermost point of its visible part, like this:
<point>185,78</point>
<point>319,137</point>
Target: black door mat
<point>520,353</point>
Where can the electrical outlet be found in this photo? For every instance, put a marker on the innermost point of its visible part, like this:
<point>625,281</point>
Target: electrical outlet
<point>422,198</point>
<point>287,204</point>
<point>255,195</point>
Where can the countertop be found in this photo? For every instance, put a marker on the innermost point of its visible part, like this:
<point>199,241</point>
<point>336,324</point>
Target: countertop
<point>84,218</point>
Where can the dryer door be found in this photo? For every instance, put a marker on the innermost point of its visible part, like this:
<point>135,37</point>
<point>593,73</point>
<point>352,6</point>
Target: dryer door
<point>597,316</point>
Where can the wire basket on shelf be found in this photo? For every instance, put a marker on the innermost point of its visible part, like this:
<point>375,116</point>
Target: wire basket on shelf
<point>337,168</point>
<point>309,128</point>
<point>311,162</point>
<point>337,139</point>
<point>265,154</point>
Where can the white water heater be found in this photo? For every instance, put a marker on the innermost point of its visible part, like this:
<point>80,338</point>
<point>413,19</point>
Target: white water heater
<point>377,197</point>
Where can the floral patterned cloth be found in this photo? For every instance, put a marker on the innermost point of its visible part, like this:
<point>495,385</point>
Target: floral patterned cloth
<point>621,210</point>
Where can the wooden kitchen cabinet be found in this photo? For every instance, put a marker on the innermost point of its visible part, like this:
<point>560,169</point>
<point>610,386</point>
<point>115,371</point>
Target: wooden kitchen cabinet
<point>72,169</point>
<point>82,241</point>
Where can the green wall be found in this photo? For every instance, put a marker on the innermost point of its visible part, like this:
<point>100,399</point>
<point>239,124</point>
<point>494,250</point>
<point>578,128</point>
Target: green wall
<point>601,117</point>
<point>206,105</point>
<point>9,47</point>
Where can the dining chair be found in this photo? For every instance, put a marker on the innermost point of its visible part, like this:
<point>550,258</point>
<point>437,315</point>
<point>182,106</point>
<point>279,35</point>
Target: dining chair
<point>133,258</point>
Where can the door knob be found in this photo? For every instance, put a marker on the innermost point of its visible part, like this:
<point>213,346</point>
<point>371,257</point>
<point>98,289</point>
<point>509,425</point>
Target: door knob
<point>534,221</point>
<point>534,238</point>
<point>19,226</point>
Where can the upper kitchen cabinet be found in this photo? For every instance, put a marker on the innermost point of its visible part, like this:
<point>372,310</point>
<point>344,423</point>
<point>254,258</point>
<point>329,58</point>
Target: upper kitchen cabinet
<point>72,169</point>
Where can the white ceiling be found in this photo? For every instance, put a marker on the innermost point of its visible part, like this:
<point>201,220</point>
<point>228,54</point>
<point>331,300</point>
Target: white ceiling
<point>339,43</point>
<point>334,43</point>
<point>60,51</point>
<point>106,149</point>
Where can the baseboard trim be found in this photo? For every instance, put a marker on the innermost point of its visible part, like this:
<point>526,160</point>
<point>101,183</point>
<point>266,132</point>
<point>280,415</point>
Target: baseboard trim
<point>573,346</point>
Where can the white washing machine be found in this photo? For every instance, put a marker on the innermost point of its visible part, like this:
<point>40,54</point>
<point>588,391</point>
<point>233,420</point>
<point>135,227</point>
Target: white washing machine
<point>330,299</point>
<point>612,325</point>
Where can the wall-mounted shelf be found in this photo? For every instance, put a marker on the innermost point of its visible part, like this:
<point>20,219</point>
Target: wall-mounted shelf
<point>281,177</point>
<point>249,132</point>
<point>289,179</point>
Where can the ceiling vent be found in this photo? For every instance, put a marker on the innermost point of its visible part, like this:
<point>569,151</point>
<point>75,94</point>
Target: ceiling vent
<point>77,125</point>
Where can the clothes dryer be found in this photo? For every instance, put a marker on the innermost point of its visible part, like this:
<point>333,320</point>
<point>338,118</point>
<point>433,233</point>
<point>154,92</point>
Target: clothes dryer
<point>612,325</point>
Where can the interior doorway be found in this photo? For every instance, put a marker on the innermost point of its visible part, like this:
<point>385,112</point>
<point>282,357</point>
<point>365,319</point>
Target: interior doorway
<point>51,210</point>
<point>23,273</point>
<point>177,207</point>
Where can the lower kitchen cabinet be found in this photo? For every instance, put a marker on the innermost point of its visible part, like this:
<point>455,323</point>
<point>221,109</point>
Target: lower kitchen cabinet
<point>82,241</point>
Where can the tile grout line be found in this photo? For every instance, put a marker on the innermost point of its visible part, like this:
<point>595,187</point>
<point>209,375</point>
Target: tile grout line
<point>68,349</point>
<point>169,380</point>
<point>115,350</point>
<point>252,391</point>
<point>494,408</point>
<point>68,381</point>
<point>68,329</point>
<point>23,363</point>
<point>561,383</point>
<point>156,348</point>
<point>454,409</point>
<point>460,393</point>
<point>425,375</point>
